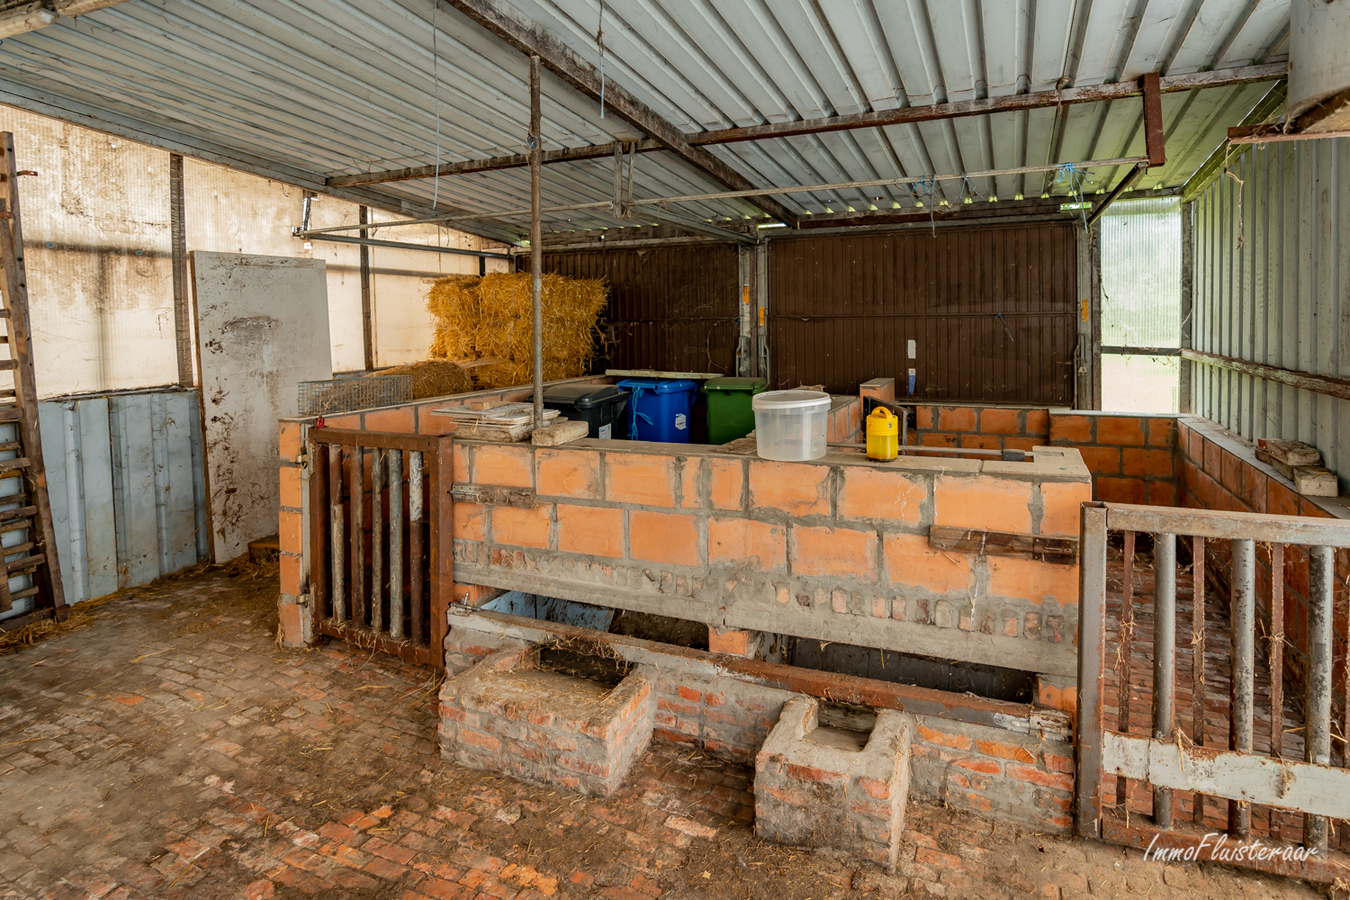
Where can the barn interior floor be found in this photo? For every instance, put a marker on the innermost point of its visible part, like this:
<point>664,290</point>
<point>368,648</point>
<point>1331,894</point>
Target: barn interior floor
<point>170,749</point>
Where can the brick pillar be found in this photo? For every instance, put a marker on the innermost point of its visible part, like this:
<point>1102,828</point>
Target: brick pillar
<point>878,389</point>
<point>291,605</point>
<point>733,642</point>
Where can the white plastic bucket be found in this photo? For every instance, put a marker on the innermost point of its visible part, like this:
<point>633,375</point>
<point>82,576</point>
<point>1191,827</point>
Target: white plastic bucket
<point>790,425</point>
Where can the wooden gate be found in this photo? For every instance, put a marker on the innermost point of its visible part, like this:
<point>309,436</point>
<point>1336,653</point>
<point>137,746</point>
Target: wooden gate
<point>381,541</point>
<point>1218,746</point>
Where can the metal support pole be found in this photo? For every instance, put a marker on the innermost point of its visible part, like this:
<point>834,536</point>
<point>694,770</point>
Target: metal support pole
<point>1164,657</point>
<point>1244,668</point>
<point>1321,593</point>
<point>1091,659</point>
<point>367,311</point>
<point>536,245</point>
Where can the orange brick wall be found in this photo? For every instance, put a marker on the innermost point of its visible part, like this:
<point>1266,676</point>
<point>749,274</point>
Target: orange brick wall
<point>1132,458</point>
<point>412,418</point>
<point>1220,471</point>
<point>834,549</point>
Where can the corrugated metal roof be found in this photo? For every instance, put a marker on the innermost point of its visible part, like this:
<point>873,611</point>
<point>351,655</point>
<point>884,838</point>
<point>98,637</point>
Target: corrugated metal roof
<point>310,88</point>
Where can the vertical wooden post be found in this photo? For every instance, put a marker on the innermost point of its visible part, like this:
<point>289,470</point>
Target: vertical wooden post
<point>536,238</point>
<point>182,306</point>
<point>1091,653</point>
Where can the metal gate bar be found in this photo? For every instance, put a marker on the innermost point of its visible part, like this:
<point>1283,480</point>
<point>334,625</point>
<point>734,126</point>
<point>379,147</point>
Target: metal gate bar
<point>381,540</point>
<point>1156,755</point>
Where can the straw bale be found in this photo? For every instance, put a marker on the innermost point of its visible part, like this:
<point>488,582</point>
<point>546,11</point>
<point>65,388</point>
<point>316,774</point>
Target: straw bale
<point>433,378</point>
<point>490,317</point>
<point>453,303</point>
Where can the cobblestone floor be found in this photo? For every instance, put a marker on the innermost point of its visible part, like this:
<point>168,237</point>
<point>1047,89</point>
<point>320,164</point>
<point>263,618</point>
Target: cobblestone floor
<point>171,750</point>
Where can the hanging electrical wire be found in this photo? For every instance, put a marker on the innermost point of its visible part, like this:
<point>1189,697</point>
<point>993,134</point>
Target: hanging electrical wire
<point>1073,177</point>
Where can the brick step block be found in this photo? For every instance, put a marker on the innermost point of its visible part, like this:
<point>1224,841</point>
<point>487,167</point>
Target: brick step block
<point>508,715</point>
<point>817,786</point>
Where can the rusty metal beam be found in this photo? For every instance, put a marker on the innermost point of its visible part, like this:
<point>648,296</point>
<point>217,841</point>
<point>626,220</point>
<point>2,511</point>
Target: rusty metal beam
<point>1153,119</point>
<point>516,161</point>
<point>907,115</point>
<point>505,22</point>
<point>1275,134</point>
<point>832,686</point>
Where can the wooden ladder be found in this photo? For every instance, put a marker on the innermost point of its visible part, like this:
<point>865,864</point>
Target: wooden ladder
<point>26,511</point>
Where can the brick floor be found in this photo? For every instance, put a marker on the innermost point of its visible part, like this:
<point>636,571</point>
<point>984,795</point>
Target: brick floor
<point>171,750</point>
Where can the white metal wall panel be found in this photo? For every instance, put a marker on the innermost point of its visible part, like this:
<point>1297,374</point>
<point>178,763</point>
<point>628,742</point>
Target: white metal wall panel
<point>157,488</point>
<point>125,478</point>
<point>1272,285</point>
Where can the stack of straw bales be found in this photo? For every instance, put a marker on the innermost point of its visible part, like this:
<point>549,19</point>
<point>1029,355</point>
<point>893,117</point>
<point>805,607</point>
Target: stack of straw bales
<point>490,318</point>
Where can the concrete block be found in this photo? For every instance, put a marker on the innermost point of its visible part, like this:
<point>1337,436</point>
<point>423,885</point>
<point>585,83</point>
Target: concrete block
<point>824,787</point>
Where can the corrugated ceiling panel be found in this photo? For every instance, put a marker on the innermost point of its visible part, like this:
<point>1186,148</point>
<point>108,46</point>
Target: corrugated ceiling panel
<point>294,88</point>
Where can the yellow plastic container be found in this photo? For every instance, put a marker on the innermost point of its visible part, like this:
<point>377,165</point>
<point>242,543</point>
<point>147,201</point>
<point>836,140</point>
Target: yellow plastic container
<point>883,435</point>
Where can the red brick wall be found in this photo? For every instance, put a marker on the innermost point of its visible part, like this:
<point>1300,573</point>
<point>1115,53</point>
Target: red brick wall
<point>1131,457</point>
<point>412,418</point>
<point>1001,774</point>
<point>835,549</point>
<point>1220,471</point>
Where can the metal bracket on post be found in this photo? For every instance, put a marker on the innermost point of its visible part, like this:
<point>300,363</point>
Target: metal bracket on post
<point>621,204</point>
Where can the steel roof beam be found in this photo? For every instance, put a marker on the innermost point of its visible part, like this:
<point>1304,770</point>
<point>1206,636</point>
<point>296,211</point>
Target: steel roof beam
<point>905,116</point>
<point>1010,103</point>
<point>515,161</point>
<point>505,22</point>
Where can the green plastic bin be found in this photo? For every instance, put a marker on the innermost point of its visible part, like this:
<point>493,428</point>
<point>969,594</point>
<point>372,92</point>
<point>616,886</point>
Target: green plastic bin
<point>729,413</point>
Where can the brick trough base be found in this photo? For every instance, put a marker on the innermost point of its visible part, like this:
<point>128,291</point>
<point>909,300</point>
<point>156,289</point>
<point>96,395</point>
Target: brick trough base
<point>507,715</point>
<point>815,787</point>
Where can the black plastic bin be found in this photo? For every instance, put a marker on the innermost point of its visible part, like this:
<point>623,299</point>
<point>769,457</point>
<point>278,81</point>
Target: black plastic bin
<point>601,406</point>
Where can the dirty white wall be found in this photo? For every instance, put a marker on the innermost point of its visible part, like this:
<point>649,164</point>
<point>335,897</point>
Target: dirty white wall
<point>233,212</point>
<point>96,246</point>
<point>96,234</point>
<point>402,326</point>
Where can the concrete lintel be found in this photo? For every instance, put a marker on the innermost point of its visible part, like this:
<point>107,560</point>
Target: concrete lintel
<point>1020,718</point>
<point>1039,657</point>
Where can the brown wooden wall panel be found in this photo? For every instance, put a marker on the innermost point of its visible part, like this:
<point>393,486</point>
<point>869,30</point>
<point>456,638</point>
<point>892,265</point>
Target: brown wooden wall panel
<point>992,311</point>
<point>672,308</point>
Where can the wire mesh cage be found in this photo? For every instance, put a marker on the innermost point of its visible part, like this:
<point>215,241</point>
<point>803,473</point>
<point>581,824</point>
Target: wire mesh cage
<point>326,398</point>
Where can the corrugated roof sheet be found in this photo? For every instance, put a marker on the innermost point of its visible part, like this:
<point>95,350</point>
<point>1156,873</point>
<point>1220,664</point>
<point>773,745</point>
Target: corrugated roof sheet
<point>310,88</point>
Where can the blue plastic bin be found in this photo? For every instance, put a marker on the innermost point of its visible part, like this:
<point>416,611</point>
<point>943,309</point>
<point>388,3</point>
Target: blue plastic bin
<point>660,409</point>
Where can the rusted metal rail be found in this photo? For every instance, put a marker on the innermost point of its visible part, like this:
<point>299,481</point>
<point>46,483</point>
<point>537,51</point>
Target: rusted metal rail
<point>380,540</point>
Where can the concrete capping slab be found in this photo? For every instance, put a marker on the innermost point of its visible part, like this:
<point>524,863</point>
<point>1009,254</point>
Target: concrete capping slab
<point>1336,507</point>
